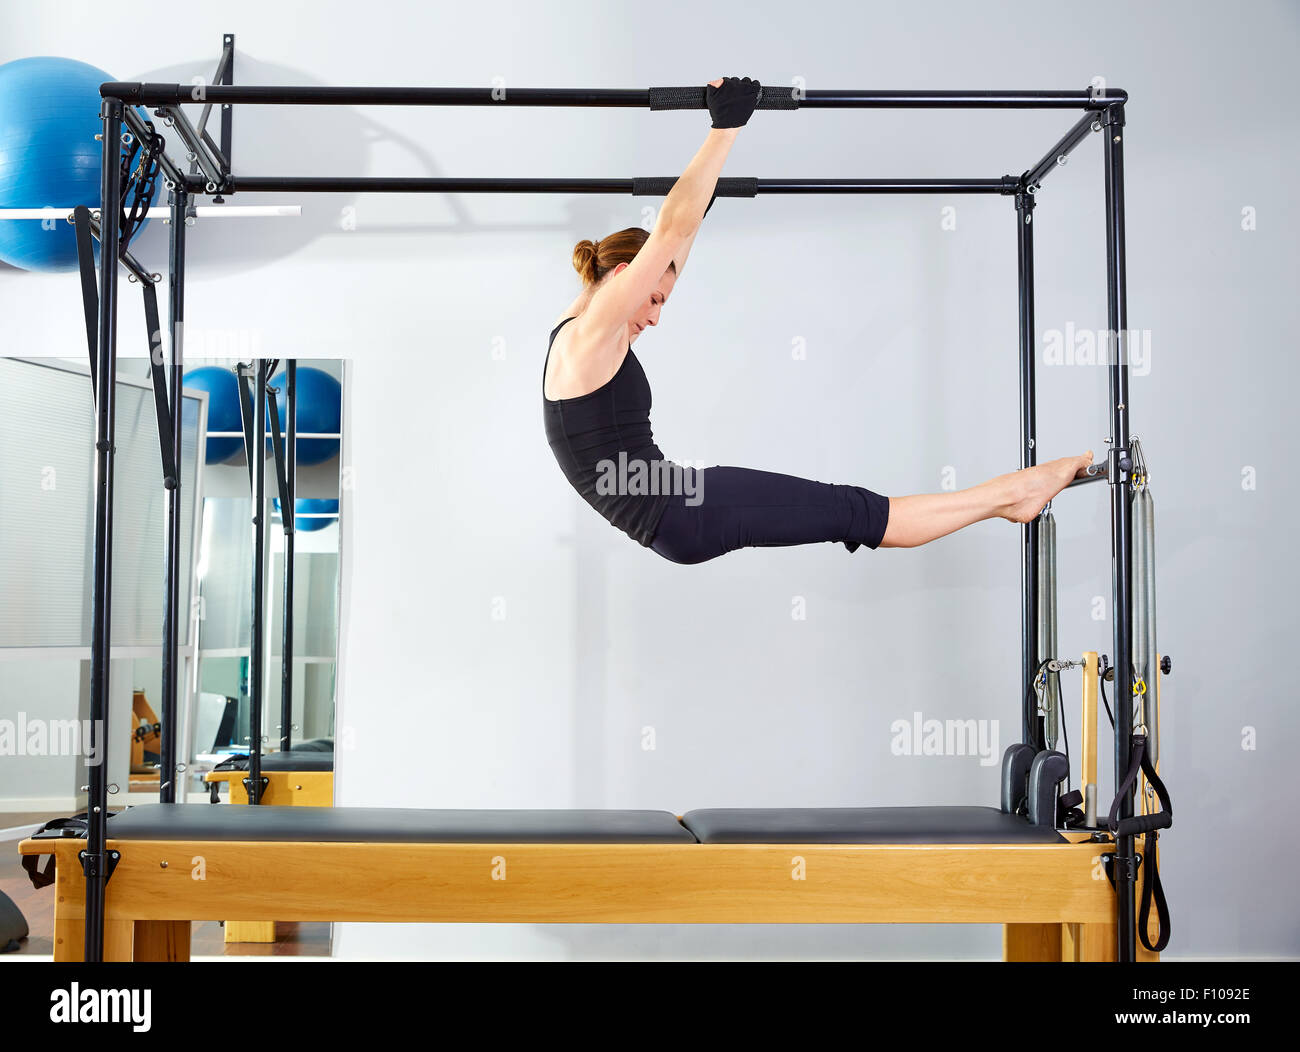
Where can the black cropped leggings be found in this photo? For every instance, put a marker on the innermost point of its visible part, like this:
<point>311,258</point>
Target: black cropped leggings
<point>732,508</point>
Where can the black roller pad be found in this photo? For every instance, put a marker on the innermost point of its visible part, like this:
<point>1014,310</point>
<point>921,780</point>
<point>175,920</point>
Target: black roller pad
<point>865,825</point>
<point>385,825</point>
<point>293,760</point>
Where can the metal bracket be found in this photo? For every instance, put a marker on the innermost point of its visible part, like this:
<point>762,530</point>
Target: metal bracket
<point>248,786</point>
<point>1113,116</point>
<point>1025,202</point>
<point>1118,462</point>
<point>1110,862</point>
<point>91,864</point>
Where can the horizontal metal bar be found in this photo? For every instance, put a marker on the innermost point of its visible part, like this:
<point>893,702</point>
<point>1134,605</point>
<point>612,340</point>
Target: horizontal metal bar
<point>1057,154</point>
<point>1002,185</point>
<point>1095,473</point>
<point>329,184</point>
<point>164,212</point>
<point>152,94</point>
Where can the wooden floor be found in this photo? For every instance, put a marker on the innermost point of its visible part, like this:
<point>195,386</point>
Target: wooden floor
<point>291,940</point>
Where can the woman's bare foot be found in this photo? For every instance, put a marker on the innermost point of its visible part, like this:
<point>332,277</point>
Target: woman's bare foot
<point>1029,489</point>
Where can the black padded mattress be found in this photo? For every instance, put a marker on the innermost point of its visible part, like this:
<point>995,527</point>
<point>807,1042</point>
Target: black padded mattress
<point>807,825</point>
<point>293,760</point>
<point>393,825</point>
<point>865,825</point>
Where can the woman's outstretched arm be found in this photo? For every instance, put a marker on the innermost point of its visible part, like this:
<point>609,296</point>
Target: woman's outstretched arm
<point>679,260</point>
<point>684,207</point>
<point>730,105</point>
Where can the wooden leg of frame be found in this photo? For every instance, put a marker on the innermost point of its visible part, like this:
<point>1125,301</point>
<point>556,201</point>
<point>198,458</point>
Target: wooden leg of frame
<point>119,938</point>
<point>70,939</point>
<point>70,924</point>
<point>1031,942</point>
<point>250,931</point>
<point>1089,942</point>
<point>69,935</point>
<point>162,941</point>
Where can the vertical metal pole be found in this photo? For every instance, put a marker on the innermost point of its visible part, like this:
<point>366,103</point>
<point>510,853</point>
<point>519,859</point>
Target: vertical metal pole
<point>256,657</point>
<point>94,862</point>
<point>1125,862</point>
<point>1031,729</point>
<point>289,520</point>
<point>172,583</point>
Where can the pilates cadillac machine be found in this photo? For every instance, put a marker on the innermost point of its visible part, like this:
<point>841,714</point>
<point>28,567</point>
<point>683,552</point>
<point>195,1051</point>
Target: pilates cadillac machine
<point>1061,880</point>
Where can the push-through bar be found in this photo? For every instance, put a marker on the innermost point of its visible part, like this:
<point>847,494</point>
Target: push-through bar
<point>648,186</point>
<point>774,97</point>
<point>1098,472</point>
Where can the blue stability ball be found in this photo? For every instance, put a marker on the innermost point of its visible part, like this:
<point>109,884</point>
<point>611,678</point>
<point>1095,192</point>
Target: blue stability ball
<point>320,410</point>
<point>311,506</point>
<point>49,117</point>
<point>223,409</point>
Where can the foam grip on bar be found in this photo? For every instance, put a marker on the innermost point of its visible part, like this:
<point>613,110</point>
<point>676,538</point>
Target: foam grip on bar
<point>1139,824</point>
<point>769,98</point>
<point>659,185</point>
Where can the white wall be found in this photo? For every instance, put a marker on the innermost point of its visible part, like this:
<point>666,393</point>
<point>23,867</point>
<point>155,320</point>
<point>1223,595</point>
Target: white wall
<point>37,779</point>
<point>911,369</point>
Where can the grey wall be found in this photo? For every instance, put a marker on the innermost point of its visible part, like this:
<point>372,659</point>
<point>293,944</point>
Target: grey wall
<point>504,647</point>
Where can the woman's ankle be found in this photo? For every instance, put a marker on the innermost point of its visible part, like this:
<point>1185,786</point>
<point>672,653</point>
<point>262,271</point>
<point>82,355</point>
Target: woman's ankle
<point>1002,493</point>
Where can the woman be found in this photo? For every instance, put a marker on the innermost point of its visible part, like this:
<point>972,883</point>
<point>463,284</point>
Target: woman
<point>597,409</point>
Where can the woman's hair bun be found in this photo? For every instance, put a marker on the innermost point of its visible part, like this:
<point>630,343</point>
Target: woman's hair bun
<point>584,260</point>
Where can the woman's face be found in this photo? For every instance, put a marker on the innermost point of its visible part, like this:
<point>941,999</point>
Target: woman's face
<point>648,313</point>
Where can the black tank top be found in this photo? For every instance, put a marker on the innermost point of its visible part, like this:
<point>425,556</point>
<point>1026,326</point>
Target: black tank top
<point>606,450</point>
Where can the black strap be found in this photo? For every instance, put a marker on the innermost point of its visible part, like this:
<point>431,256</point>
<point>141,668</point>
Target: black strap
<point>1068,812</point>
<point>39,878</point>
<point>277,456</point>
<point>162,409</point>
<point>69,827</point>
<point>89,290</point>
<point>1140,763</point>
<point>1146,826</point>
<point>247,407</point>
<point>1151,887</point>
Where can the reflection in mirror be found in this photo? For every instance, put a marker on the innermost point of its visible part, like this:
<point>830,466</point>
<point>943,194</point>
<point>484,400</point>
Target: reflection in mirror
<point>46,545</point>
<point>298,591</point>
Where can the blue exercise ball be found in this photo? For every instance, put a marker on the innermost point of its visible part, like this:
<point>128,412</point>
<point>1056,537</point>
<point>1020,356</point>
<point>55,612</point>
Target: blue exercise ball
<point>320,410</point>
<point>223,409</point>
<point>49,117</point>
<point>311,506</point>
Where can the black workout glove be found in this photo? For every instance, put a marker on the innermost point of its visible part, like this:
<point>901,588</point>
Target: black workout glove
<point>733,103</point>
